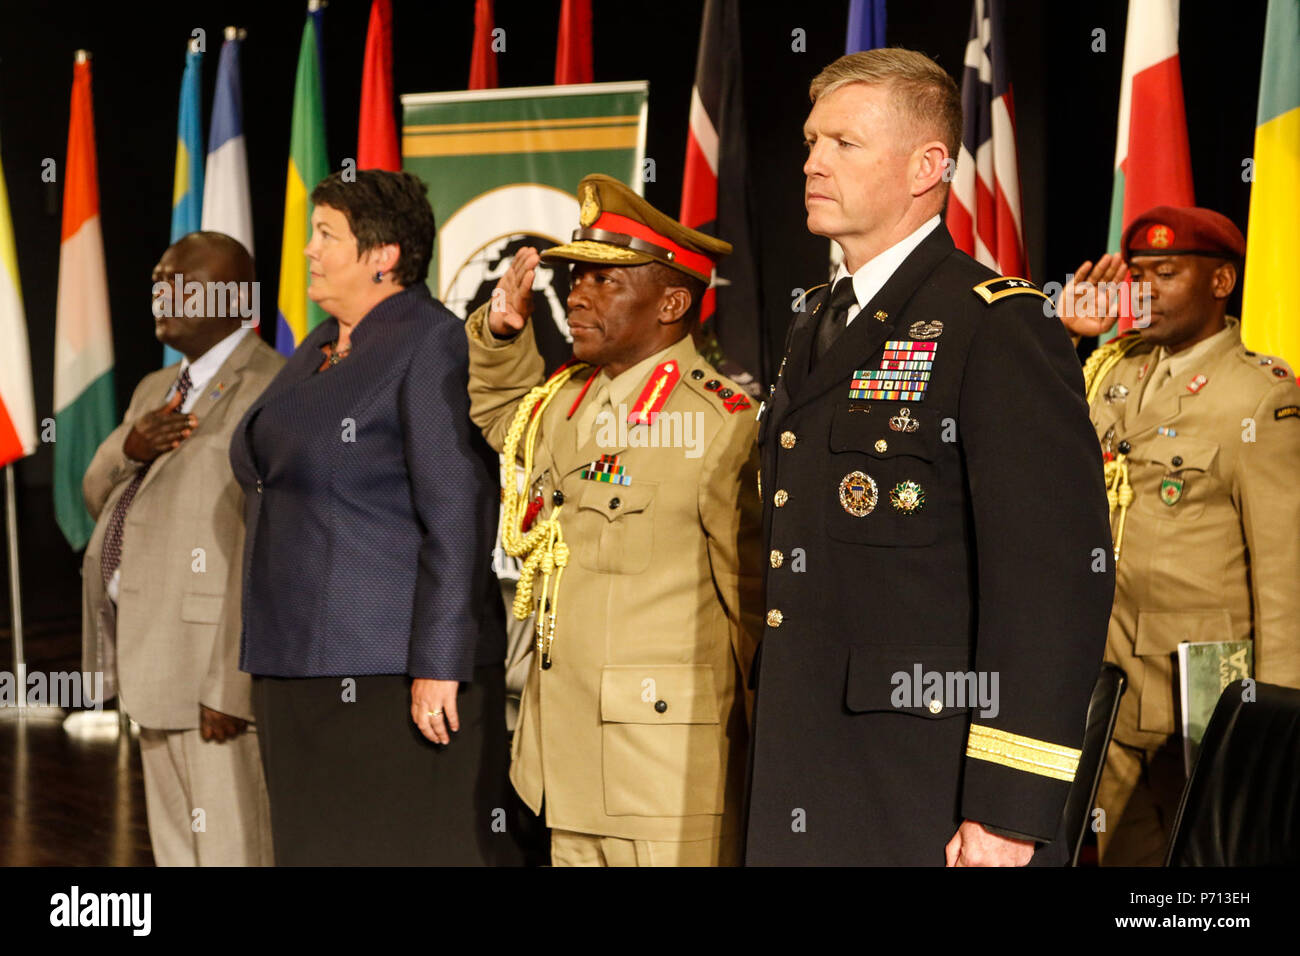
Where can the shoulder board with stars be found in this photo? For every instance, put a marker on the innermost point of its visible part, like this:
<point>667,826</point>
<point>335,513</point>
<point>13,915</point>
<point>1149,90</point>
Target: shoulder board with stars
<point>648,404</point>
<point>990,290</point>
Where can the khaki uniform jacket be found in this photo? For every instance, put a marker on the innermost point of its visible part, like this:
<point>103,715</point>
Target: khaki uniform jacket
<point>1222,562</point>
<point>638,729</point>
<point>178,614</point>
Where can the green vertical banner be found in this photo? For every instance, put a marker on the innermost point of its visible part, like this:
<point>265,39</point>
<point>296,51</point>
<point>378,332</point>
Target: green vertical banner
<point>502,166</point>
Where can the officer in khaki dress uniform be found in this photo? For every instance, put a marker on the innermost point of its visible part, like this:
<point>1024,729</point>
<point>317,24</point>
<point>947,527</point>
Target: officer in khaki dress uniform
<point>1201,439</point>
<point>639,530</point>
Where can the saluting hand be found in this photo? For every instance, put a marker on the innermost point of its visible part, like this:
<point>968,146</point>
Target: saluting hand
<point>512,299</point>
<point>158,431</point>
<point>1092,307</point>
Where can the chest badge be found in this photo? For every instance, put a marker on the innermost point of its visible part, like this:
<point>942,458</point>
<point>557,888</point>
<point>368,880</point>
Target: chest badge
<point>858,494</point>
<point>1171,489</point>
<point>907,497</point>
<point>607,469</point>
<point>1116,393</point>
<point>926,330</point>
<point>904,422</point>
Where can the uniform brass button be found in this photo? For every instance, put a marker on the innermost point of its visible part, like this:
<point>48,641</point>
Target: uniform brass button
<point>774,618</point>
<point>259,486</point>
<point>1178,460</point>
<point>936,705</point>
<point>780,498</point>
<point>697,374</point>
<point>776,558</point>
<point>557,497</point>
<point>882,445</point>
<point>661,706</point>
<point>614,503</point>
<point>1125,447</point>
<point>787,439</point>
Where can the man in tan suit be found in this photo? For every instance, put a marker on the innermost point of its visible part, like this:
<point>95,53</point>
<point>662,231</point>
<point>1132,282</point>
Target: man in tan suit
<point>1201,439</point>
<point>640,513</point>
<point>162,574</point>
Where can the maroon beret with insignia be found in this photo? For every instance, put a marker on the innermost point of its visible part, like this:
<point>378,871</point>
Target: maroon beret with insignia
<point>1183,231</point>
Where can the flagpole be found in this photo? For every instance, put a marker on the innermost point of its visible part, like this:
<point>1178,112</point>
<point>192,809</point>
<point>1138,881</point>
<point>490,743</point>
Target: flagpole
<point>21,708</point>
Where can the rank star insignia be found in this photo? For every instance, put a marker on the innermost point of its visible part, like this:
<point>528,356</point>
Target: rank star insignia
<point>1171,489</point>
<point>926,330</point>
<point>904,422</point>
<point>907,497</point>
<point>858,494</point>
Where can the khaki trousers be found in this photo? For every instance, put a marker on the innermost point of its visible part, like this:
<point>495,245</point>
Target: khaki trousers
<point>570,848</point>
<point>184,773</point>
<point>1140,791</point>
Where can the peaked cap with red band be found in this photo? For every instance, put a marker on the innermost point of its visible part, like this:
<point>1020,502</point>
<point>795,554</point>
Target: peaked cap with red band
<point>619,228</point>
<point>1183,231</point>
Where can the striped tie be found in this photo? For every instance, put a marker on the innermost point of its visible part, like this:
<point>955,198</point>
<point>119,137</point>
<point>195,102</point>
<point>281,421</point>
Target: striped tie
<point>111,556</point>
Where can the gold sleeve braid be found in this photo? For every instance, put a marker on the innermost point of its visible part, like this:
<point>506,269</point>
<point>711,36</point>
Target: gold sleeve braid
<point>1119,493</point>
<point>542,548</point>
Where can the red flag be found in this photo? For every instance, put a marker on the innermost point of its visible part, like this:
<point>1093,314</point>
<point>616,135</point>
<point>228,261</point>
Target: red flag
<point>377,129</point>
<point>483,63</point>
<point>984,213</point>
<point>573,47</point>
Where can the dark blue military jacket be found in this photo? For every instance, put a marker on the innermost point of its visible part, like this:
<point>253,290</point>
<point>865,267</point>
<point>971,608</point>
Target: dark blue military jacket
<point>940,573</point>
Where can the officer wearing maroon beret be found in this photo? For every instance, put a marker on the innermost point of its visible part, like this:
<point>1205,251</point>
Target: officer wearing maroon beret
<point>1201,442</point>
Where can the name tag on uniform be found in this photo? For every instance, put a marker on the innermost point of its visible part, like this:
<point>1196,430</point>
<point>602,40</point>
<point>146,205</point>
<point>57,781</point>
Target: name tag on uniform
<point>902,376</point>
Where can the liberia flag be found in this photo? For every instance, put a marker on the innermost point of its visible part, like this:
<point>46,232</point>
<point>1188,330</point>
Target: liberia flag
<point>984,205</point>
<point>716,152</point>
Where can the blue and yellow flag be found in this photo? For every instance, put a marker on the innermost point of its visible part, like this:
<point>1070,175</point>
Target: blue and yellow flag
<point>187,191</point>
<point>1268,322</point>
<point>308,165</point>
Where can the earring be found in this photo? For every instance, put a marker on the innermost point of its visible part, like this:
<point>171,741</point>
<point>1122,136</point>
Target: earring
<point>379,277</point>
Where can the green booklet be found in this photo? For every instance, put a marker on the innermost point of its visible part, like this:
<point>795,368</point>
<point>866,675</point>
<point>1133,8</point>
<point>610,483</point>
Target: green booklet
<point>1204,669</point>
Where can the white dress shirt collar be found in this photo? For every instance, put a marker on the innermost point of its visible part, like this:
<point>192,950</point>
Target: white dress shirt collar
<point>872,275</point>
<point>205,366</point>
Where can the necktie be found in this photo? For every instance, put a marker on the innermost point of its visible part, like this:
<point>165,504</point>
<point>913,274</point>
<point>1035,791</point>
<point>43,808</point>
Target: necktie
<point>591,409</point>
<point>111,555</point>
<point>836,317</point>
<point>1159,376</point>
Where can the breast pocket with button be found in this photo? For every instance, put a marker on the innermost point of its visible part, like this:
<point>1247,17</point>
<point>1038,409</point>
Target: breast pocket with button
<point>883,475</point>
<point>613,528</point>
<point>1187,477</point>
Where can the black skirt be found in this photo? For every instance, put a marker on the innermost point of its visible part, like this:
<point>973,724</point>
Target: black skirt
<point>353,782</point>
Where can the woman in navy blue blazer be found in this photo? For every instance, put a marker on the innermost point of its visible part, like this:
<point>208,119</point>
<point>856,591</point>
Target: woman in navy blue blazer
<point>371,620</point>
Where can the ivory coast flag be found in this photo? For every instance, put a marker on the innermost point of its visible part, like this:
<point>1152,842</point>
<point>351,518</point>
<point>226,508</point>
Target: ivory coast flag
<point>17,404</point>
<point>1268,320</point>
<point>308,165</point>
<point>85,408</point>
<point>1153,163</point>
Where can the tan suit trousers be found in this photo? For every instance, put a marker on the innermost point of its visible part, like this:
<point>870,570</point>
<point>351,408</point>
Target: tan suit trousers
<point>569,848</point>
<point>184,773</point>
<point>1140,791</point>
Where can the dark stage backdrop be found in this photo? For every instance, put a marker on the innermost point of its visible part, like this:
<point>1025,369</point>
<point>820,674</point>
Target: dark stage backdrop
<point>1066,99</point>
